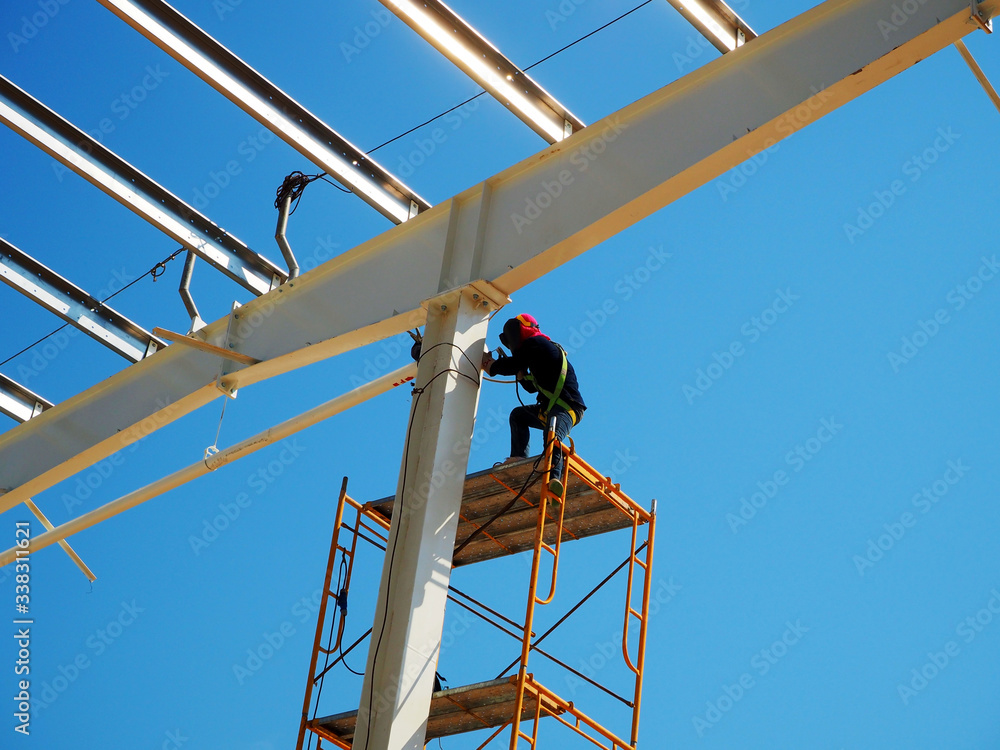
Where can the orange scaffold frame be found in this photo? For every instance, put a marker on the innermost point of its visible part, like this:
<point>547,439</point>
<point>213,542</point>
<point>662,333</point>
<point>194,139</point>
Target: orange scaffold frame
<point>532,700</point>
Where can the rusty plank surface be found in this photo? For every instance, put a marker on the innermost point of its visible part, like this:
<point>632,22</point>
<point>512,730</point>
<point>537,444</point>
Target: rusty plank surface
<point>587,512</point>
<point>455,711</point>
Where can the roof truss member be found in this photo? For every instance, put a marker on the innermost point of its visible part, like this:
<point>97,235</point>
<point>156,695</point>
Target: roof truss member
<point>19,403</point>
<point>41,284</point>
<point>103,168</point>
<point>448,33</point>
<point>728,110</point>
<point>180,38</point>
<point>717,22</point>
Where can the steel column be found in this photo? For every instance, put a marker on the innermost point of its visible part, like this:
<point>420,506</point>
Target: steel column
<point>409,615</point>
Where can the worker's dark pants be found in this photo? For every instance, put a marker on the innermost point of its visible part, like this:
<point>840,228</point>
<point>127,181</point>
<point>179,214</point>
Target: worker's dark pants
<point>524,417</point>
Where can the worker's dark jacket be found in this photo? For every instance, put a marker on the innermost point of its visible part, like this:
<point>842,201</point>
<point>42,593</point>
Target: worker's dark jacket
<point>543,360</point>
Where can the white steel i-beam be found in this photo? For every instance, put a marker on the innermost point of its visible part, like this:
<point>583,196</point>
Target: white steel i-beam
<point>448,33</point>
<point>106,170</point>
<point>409,614</point>
<point>44,286</point>
<point>183,40</point>
<point>717,22</point>
<point>509,230</point>
<point>215,461</point>
<point>19,403</point>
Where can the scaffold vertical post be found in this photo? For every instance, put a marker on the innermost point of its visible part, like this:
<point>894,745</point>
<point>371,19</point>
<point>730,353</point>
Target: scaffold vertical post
<point>321,619</point>
<point>529,616</point>
<point>409,613</point>
<point>646,591</point>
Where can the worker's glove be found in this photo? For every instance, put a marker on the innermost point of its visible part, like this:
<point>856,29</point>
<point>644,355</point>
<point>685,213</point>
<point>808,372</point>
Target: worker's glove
<point>488,363</point>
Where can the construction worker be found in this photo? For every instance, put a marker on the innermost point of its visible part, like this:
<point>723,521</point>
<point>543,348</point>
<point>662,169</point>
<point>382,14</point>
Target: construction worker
<point>540,366</point>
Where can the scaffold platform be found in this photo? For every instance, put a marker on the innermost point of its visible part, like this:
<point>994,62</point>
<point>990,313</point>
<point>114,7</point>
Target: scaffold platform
<point>483,705</point>
<point>488,496</point>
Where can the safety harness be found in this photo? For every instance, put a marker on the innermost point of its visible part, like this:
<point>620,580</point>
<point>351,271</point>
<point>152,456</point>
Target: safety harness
<point>554,396</point>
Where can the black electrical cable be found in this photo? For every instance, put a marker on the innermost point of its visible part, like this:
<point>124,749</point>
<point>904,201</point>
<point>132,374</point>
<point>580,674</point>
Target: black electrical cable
<point>329,641</point>
<point>156,271</point>
<point>586,36</point>
<point>342,603</point>
<point>336,661</point>
<point>481,93</point>
<point>295,184</point>
<point>517,391</point>
<point>528,483</point>
<point>323,175</point>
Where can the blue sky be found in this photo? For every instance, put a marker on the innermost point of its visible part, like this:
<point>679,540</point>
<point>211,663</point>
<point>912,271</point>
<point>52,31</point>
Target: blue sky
<point>861,408</point>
